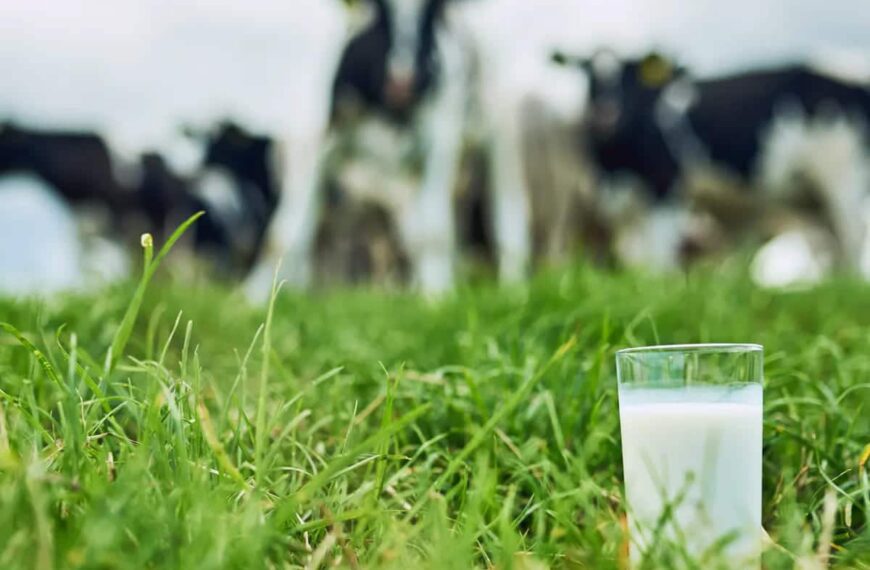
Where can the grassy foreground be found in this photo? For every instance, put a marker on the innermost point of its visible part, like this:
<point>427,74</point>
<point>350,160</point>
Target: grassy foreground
<point>381,431</point>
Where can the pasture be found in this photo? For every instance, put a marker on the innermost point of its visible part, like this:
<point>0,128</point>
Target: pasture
<point>176,426</point>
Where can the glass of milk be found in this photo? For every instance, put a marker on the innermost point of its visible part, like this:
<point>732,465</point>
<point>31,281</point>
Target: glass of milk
<point>691,420</point>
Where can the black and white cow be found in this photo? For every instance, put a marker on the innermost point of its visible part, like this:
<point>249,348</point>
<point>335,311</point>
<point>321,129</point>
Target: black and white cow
<point>780,130</point>
<point>118,200</point>
<point>235,185</point>
<point>401,97</point>
<point>239,180</point>
<point>61,196</point>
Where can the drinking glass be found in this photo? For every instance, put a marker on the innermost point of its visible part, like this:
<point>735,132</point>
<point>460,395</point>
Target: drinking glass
<point>691,419</point>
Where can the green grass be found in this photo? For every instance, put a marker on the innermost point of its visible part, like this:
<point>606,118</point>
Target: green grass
<point>376,430</point>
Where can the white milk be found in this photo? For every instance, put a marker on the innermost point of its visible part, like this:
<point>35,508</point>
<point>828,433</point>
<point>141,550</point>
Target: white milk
<point>699,449</point>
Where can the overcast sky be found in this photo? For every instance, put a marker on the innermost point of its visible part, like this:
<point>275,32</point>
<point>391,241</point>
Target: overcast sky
<point>135,67</point>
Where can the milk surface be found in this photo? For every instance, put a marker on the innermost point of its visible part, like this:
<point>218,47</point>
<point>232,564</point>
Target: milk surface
<point>697,449</point>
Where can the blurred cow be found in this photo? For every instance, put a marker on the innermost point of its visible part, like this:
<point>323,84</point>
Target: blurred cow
<point>560,183</point>
<point>239,181</point>
<point>107,200</point>
<point>792,131</point>
<point>167,198</point>
<point>235,184</point>
<point>61,195</point>
<point>401,97</point>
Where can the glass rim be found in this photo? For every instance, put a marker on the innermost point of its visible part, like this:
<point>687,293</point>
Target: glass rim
<point>693,348</point>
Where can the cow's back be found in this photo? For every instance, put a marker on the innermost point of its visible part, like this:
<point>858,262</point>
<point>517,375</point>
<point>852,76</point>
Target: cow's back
<point>77,165</point>
<point>732,113</point>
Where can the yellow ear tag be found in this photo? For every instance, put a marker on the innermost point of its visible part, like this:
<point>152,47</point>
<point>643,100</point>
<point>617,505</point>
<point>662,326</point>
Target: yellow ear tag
<point>352,6</point>
<point>655,71</point>
<point>360,14</point>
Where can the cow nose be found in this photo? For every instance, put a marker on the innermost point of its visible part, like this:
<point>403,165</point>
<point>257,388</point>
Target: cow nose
<point>400,90</point>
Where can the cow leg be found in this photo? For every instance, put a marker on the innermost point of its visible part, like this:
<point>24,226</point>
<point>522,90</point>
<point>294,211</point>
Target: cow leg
<point>842,176</point>
<point>291,233</point>
<point>846,195</point>
<point>511,209</point>
<point>829,154</point>
<point>427,225</point>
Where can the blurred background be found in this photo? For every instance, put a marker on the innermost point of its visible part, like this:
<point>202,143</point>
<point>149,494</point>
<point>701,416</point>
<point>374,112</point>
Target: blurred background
<point>155,84</point>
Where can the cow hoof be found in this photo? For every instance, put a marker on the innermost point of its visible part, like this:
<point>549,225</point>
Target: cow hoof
<point>512,270</point>
<point>435,275</point>
<point>258,285</point>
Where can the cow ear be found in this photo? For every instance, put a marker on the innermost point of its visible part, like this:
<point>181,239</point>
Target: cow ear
<point>566,60</point>
<point>559,57</point>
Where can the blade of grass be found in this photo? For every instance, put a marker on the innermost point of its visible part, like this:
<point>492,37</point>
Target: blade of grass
<point>260,425</point>
<point>509,406</point>
<point>285,512</point>
<point>150,265</point>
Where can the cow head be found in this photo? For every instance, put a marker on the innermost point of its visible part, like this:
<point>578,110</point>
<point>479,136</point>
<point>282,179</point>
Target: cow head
<point>624,93</point>
<point>398,51</point>
<point>411,59</point>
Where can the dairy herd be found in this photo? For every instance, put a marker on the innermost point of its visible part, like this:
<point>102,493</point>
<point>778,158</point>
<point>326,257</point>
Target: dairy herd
<point>424,158</point>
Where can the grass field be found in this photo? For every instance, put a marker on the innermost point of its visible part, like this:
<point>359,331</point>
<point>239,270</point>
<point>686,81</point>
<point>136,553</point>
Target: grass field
<point>368,429</point>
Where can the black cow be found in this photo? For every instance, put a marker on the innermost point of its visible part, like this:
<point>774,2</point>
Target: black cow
<point>777,129</point>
